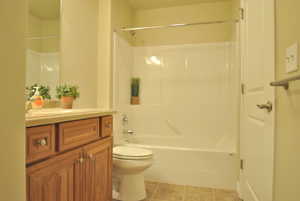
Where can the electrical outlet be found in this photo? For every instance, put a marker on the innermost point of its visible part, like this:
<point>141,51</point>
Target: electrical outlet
<point>291,59</point>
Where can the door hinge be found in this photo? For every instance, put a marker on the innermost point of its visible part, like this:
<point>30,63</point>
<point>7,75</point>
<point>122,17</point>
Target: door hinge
<point>242,13</point>
<point>243,88</point>
<point>242,164</point>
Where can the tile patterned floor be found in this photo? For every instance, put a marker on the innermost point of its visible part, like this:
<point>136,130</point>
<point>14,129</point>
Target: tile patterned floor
<point>170,192</point>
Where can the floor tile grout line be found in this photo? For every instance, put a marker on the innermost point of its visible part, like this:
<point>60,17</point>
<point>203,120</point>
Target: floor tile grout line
<point>214,194</point>
<point>184,193</point>
<point>155,191</point>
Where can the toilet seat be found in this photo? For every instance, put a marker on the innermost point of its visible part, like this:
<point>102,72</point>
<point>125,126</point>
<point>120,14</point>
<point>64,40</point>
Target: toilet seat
<point>131,153</point>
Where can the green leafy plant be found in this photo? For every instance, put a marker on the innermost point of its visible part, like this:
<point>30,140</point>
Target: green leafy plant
<point>44,91</point>
<point>135,87</point>
<point>67,91</point>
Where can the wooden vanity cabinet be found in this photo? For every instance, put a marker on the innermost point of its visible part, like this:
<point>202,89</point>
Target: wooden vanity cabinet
<point>98,171</point>
<point>75,133</point>
<point>81,174</point>
<point>40,143</point>
<point>57,179</point>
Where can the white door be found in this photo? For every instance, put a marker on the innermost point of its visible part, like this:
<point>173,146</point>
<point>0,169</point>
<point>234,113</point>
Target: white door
<point>257,123</point>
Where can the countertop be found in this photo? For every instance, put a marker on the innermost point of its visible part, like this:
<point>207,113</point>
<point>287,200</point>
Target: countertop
<point>57,115</point>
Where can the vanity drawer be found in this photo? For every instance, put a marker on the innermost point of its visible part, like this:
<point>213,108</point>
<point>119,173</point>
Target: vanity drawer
<point>76,133</point>
<point>40,142</point>
<point>106,126</point>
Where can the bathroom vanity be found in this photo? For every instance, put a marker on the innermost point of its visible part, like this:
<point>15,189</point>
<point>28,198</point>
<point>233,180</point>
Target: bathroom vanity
<point>69,155</point>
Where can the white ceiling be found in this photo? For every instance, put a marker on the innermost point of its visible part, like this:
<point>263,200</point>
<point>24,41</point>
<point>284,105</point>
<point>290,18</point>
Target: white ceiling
<point>152,4</point>
<point>45,9</point>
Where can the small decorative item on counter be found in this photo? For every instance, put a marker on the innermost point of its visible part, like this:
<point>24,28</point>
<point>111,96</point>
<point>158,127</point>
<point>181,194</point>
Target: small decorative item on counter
<point>37,94</point>
<point>135,91</point>
<point>67,94</point>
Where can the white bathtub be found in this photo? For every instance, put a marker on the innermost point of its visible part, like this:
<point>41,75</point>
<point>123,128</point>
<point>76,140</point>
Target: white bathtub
<point>195,167</point>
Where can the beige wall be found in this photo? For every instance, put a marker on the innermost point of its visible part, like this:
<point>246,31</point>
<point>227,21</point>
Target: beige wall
<point>184,14</point>
<point>12,83</point>
<point>86,46</point>
<point>287,147</point>
<point>113,14</point>
<point>236,4</point>
<point>122,16</point>
<point>104,55</point>
<point>79,60</point>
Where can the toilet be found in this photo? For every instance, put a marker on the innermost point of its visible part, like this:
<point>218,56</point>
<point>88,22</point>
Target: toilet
<point>129,163</point>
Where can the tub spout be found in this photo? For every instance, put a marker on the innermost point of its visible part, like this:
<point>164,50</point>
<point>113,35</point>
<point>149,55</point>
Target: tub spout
<point>130,132</point>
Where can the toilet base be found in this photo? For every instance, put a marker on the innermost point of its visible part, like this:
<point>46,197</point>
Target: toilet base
<point>132,187</point>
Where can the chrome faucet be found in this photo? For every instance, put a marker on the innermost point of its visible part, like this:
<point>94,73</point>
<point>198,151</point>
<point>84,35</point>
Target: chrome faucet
<point>125,119</point>
<point>129,132</point>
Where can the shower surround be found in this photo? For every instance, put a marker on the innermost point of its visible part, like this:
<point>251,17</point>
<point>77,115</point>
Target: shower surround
<point>188,113</point>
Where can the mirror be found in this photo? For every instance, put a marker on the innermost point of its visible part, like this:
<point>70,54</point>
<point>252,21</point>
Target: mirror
<point>43,44</point>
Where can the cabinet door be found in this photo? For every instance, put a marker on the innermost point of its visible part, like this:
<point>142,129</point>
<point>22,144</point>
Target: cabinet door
<point>56,179</point>
<point>98,171</point>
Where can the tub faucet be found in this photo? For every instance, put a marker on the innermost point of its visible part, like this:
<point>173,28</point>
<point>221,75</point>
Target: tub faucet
<point>129,132</point>
<point>125,119</point>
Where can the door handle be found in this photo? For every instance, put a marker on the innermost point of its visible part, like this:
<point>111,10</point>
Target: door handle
<point>268,106</point>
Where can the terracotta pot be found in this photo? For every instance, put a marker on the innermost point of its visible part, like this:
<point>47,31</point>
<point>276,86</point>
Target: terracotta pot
<point>135,100</point>
<point>67,102</point>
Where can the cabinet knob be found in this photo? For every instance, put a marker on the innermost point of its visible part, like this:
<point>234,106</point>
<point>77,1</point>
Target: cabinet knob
<point>81,160</point>
<point>42,142</point>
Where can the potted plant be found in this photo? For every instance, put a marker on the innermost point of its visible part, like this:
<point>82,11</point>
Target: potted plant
<point>67,94</point>
<point>135,91</point>
<point>44,91</point>
<point>37,95</point>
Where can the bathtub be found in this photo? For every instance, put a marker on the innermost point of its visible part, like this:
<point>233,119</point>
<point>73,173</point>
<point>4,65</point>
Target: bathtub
<point>194,167</point>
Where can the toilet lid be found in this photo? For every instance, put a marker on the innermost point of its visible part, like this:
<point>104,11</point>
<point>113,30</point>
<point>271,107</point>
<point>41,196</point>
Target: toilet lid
<point>131,152</point>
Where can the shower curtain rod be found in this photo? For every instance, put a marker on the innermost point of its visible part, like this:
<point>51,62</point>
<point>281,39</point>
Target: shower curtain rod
<point>179,25</point>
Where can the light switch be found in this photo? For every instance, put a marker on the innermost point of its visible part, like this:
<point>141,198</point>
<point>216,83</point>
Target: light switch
<point>292,58</point>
